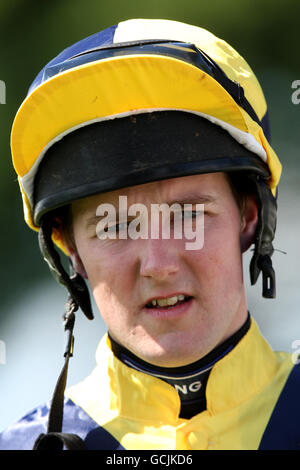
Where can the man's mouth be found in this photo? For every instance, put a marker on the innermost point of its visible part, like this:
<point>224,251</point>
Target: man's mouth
<point>168,302</point>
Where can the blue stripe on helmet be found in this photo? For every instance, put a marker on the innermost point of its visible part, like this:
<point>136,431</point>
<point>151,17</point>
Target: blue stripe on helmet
<point>101,38</point>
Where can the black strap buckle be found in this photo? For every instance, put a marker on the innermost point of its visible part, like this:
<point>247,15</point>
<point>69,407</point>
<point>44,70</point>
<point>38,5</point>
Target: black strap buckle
<point>55,439</point>
<point>58,441</point>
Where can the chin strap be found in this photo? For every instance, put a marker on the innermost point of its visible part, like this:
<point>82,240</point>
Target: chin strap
<point>74,283</point>
<point>79,296</point>
<point>261,260</point>
<point>55,439</point>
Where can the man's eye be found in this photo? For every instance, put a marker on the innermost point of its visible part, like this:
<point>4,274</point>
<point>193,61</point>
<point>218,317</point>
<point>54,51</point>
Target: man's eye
<point>116,227</point>
<point>122,226</point>
<point>191,214</point>
<point>111,231</point>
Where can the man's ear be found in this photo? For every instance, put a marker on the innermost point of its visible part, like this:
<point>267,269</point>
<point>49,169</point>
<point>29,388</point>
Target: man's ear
<point>74,257</point>
<point>249,221</point>
<point>77,264</point>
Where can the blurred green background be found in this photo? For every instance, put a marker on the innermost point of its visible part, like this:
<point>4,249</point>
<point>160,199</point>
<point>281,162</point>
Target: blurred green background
<point>32,32</point>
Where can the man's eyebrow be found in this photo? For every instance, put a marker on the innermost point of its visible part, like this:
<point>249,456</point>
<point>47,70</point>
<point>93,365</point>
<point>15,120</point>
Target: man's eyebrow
<point>193,199</point>
<point>93,220</point>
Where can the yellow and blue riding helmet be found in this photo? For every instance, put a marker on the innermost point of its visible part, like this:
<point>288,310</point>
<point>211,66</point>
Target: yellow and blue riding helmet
<point>141,101</point>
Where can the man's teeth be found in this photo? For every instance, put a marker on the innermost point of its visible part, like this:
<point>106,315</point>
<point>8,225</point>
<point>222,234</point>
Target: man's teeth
<point>168,301</point>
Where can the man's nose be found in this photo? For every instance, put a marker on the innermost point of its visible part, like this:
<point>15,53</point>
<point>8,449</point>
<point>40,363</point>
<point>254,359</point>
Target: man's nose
<point>158,260</point>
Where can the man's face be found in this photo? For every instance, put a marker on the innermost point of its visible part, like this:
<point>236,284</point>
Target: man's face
<point>126,274</point>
